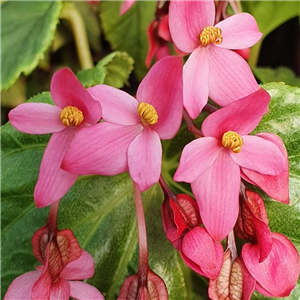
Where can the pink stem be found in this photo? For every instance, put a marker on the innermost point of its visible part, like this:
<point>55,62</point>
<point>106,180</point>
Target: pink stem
<point>231,245</point>
<point>191,125</point>
<point>52,220</point>
<point>166,190</point>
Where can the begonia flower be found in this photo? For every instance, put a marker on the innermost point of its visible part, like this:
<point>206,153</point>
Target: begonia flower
<point>74,109</point>
<point>213,163</point>
<point>126,5</point>
<point>129,139</point>
<point>212,69</point>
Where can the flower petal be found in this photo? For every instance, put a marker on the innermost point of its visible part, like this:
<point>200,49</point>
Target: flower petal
<point>217,194</point>
<point>66,90</point>
<point>196,158</point>
<point>36,118</point>
<point>187,19</point>
<point>100,149</point>
<point>117,106</point>
<point>260,155</point>
<point>53,182</point>
<point>241,116</point>
<point>60,290</point>
<point>239,31</point>
<point>20,288</point>
<point>144,159</point>
<point>195,82</point>
<point>162,88</point>
<point>230,77</point>
<point>83,291</point>
<point>126,5</point>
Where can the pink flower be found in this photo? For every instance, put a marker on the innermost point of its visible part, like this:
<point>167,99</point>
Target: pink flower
<point>212,69</point>
<point>126,5</point>
<point>74,109</point>
<point>213,164</point>
<point>129,139</point>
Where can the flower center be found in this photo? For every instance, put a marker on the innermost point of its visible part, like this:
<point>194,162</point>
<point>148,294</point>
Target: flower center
<point>147,113</point>
<point>211,35</point>
<point>233,141</point>
<point>71,115</point>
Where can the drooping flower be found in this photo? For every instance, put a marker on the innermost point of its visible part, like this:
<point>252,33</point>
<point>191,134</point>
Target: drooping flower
<point>74,109</point>
<point>213,164</point>
<point>212,69</point>
<point>129,139</point>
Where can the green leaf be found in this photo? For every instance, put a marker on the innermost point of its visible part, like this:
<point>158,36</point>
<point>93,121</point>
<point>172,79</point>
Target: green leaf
<point>27,30</point>
<point>128,32</point>
<point>112,70</point>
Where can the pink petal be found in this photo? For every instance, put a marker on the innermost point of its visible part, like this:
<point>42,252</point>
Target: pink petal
<point>83,291</point>
<point>241,116</point>
<point>42,287</point>
<point>126,5</point>
<point>144,159</point>
<point>79,269</point>
<point>217,194</point>
<point>162,88</point>
<point>239,31</point>
<point>162,51</point>
<point>60,290</point>
<point>260,155</point>
<point>36,118</point>
<point>278,274</point>
<point>20,288</point>
<point>164,29</point>
<point>66,90</point>
<point>117,106</point>
<point>53,183</point>
<point>100,149</point>
<point>196,158</point>
<point>195,82</point>
<point>152,41</point>
<point>187,19</point>
<point>230,77</point>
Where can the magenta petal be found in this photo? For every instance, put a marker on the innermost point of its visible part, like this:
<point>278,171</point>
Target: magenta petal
<point>60,290</point>
<point>20,288</point>
<point>144,159</point>
<point>53,182</point>
<point>195,82</point>
<point>79,269</point>
<point>83,291</point>
<point>260,155</point>
<point>217,194</point>
<point>239,31</point>
<point>162,88</point>
<point>66,90</point>
<point>278,274</point>
<point>126,5</point>
<point>230,77</point>
<point>187,19</point>
<point>100,149</point>
<point>42,287</point>
<point>117,106</point>
<point>197,157</point>
<point>36,118</point>
<point>241,116</point>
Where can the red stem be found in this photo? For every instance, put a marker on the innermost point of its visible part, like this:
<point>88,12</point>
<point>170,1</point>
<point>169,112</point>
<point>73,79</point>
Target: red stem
<point>167,191</point>
<point>52,220</point>
<point>191,125</point>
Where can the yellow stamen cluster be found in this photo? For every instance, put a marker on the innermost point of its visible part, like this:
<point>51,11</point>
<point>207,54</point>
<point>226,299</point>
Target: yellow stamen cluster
<point>71,115</point>
<point>211,35</point>
<point>233,141</point>
<point>147,113</point>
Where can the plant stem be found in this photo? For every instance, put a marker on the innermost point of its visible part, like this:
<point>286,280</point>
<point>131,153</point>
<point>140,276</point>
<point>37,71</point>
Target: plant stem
<point>231,245</point>
<point>52,220</point>
<point>254,55</point>
<point>191,125</point>
<point>166,190</point>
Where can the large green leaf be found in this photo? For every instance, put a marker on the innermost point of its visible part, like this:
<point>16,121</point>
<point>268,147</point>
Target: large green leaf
<point>27,30</point>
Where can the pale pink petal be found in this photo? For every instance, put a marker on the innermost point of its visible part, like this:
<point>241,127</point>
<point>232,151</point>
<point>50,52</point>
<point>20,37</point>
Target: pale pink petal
<point>260,155</point>
<point>66,90</point>
<point>195,82</point>
<point>36,118</point>
<point>162,88</point>
<point>79,269</point>
<point>83,291</point>
<point>217,194</point>
<point>144,159</point>
<point>53,182</point>
<point>241,116</point>
<point>197,157</point>
<point>60,290</point>
<point>20,288</point>
<point>100,149</point>
<point>117,106</point>
<point>239,31</point>
<point>278,274</point>
<point>126,5</point>
<point>187,19</point>
<point>230,77</point>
